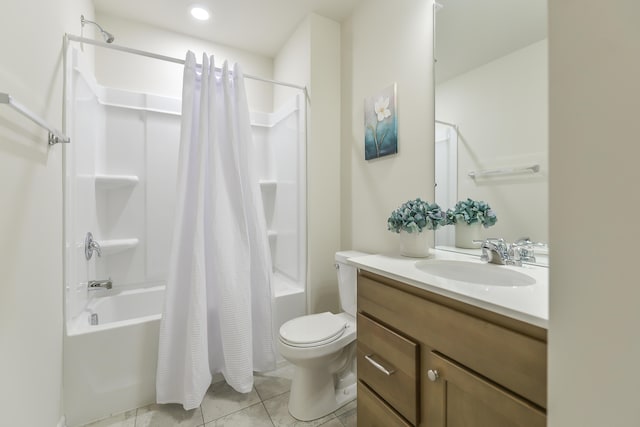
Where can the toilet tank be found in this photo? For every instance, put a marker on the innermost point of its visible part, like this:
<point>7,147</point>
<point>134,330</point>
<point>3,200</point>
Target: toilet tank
<point>347,280</point>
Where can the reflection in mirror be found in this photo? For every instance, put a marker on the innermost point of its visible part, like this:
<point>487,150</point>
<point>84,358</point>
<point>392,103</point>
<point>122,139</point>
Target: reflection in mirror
<point>491,108</point>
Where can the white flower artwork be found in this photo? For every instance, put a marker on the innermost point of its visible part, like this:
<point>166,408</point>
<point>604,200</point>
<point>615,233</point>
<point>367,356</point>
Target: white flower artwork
<point>381,124</point>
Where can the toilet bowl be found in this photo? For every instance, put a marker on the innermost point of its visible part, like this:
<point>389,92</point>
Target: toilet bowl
<point>322,349</point>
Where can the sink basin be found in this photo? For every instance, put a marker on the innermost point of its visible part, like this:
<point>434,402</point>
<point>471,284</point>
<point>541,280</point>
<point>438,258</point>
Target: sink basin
<point>473,272</point>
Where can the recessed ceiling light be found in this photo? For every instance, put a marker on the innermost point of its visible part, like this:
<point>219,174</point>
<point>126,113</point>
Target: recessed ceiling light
<point>200,13</point>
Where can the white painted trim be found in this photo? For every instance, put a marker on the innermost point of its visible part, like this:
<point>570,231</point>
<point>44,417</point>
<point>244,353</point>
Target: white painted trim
<point>62,422</point>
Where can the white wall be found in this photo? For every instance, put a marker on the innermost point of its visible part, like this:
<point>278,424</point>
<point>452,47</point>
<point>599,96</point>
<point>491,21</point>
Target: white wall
<point>132,72</point>
<point>323,157</point>
<point>311,57</point>
<point>385,42</point>
<point>501,109</point>
<point>594,347</point>
<point>293,63</point>
<point>31,217</point>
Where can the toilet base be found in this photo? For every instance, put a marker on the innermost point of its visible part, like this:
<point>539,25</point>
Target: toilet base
<point>325,376</point>
<point>311,385</point>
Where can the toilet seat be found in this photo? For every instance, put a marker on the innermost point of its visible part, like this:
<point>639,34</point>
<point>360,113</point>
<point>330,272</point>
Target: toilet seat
<point>313,330</point>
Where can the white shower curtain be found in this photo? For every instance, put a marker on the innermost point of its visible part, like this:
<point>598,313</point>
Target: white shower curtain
<point>218,303</point>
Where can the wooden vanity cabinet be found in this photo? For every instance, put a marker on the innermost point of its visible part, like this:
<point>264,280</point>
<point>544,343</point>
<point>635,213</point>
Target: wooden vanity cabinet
<point>428,360</point>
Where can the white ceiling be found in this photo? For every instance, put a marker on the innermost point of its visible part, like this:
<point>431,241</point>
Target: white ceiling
<point>470,33</point>
<point>260,26</point>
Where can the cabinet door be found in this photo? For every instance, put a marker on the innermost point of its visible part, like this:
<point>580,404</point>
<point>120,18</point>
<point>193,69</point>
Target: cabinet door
<point>457,397</point>
<point>374,412</point>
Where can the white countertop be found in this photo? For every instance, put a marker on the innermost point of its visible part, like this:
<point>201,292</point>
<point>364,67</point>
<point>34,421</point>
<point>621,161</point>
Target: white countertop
<point>527,303</point>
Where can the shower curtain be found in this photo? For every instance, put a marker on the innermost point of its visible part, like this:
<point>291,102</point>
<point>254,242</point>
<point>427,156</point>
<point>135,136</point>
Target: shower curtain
<point>218,303</point>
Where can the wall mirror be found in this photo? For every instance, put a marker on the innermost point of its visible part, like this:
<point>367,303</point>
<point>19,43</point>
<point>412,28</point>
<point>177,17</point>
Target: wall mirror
<point>491,109</point>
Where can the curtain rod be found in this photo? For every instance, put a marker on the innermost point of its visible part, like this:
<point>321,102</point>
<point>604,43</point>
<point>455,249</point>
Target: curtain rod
<point>174,60</point>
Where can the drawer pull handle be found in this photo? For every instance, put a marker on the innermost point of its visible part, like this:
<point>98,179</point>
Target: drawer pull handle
<point>378,366</point>
<point>433,375</point>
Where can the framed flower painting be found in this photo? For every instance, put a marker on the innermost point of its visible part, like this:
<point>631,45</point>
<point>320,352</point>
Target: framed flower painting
<point>381,124</point>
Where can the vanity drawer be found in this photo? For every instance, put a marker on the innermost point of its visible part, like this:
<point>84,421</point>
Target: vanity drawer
<point>388,363</point>
<point>374,412</point>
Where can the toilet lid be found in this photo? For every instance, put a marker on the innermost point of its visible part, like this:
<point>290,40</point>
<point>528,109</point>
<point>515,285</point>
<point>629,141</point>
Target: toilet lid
<point>312,330</point>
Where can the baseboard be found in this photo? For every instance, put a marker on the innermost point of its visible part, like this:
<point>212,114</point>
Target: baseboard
<point>62,422</point>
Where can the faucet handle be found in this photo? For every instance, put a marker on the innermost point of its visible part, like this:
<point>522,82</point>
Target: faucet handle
<point>497,244</point>
<point>90,245</point>
<point>497,251</point>
<point>498,241</point>
<point>522,253</point>
<point>96,247</point>
<point>523,241</point>
<point>523,248</point>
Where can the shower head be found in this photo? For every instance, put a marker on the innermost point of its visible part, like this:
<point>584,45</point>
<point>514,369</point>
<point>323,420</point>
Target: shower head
<point>108,37</point>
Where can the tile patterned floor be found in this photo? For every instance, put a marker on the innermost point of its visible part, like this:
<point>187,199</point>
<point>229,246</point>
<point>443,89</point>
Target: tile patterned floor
<point>265,405</point>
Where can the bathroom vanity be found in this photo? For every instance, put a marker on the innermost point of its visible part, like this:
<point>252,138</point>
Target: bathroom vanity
<point>433,351</point>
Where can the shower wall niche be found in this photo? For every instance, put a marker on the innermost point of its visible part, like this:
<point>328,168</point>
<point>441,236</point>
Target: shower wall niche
<point>120,185</point>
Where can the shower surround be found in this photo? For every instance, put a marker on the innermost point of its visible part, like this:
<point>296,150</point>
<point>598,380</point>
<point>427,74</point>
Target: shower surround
<point>120,181</point>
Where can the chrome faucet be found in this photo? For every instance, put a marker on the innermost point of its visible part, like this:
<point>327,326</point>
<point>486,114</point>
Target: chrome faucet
<point>99,284</point>
<point>90,246</point>
<point>497,251</point>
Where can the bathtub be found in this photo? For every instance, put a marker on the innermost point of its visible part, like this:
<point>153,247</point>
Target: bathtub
<point>121,309</point>
<point>111,367</point>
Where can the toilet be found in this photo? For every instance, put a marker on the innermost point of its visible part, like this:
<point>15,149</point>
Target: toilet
<point>322,348</point>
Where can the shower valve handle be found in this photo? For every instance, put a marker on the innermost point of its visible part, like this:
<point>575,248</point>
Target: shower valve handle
<point>91,246</point>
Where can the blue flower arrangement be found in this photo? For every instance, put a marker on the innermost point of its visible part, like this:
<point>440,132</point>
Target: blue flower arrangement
<point>471,211</point>
<point>415,216</point>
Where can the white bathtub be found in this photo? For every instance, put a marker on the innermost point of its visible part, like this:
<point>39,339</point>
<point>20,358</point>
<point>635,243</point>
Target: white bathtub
<point>120,309</point>
<point>111,367</point>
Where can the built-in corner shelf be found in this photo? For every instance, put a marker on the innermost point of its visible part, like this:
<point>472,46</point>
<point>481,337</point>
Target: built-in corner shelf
<point>109,182</point>
<point>113,246</point>
<point>268,184</point>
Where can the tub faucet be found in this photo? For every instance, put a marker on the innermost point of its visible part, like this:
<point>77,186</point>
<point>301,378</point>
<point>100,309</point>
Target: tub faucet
<point>99,284</point>
<point>497,251</point>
